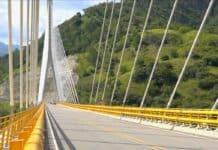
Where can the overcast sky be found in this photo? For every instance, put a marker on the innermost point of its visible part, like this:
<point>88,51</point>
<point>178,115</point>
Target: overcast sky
<point>63,10</point>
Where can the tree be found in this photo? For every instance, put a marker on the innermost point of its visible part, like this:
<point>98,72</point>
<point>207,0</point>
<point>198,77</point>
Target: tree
<point>211,60</point>
<point>164,75</point>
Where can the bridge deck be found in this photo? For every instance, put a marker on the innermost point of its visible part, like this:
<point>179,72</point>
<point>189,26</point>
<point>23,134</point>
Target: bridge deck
<point>82,130</point>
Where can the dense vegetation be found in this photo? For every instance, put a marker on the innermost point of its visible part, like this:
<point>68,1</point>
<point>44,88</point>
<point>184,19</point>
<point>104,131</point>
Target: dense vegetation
<point>200,82</point>
<point>199,86</point>
<point>6,109</point>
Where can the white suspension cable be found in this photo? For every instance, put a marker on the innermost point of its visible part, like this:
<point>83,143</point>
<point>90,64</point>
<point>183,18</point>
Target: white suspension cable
<point>70,98</point>
<point>112,51</point>
<point>56,67</point>
<point>62,71</point>
<point>99,46</point>
<point>47,56</point>
<point>46,59</point>
<point>158,53</point>
<point>72,87</point>
<point>72,84</point>
<point>69,85</point>
<point>71,81</point>
<point>21,55</point>
<point>137,52</point>
<point>215,105</point>
<point>27,58</point>
<point>10,52</point>
<point>57,60</point>
<point>104,52</point>
<point>74,91</point>
<point>32,51</point>
<point>36,51</point>
<point>123,51</point>
<point>190,52</point>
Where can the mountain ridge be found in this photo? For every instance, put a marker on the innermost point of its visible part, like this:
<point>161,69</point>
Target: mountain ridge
<point>4,48</point>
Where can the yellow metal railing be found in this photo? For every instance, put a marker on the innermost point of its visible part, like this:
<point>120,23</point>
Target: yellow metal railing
<point>194,117</point>
<point>35,140</point>
<point>11,125</point>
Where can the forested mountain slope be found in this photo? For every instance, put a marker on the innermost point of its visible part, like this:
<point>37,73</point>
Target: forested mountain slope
<point>200,83</point>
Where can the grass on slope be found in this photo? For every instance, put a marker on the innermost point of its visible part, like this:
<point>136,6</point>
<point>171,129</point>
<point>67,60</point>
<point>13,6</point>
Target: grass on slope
<point>174,53</point>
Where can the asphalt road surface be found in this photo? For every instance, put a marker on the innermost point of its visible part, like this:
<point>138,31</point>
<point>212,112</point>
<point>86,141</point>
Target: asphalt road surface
<point>76,129</point>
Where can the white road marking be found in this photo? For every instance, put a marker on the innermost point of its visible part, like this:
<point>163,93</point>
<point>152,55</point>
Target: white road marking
<point>52,133</point>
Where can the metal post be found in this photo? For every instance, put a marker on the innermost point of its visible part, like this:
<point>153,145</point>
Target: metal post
<point>21,55</point>
<point>10,52</point>
<point>27,58</point>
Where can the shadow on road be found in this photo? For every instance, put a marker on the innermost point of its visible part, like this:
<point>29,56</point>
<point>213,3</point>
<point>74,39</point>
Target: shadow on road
<point>58,129</point>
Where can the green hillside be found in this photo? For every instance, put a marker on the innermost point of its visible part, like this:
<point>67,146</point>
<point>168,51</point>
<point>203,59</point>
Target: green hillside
<point>200,83</point>
<point>199,87</point>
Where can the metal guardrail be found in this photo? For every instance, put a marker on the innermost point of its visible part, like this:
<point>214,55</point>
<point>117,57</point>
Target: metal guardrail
<point>35,140</point>
<point>11,125</point>
<point>192,117</point>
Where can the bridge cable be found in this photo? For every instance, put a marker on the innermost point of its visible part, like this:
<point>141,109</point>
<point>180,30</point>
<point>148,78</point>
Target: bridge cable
<point>21,55</point>
<point>62,69</point>
<point>31,52</point>
<point>123,51</point>
<point>57,58</point>
<point>74,89</point>
<point>10,52</point>
<point>34,50</point>
<point>35,63</point>
<point>137,52</point>
<point>112,51</point>
<point>56,64</point>
<point>72,84</point>
<point>215,105</point>
<point>158,53</point>
<point>27,58</point>
<point>71,91</point>
<point>190,52</point>
<point>98,55</point>
<point>104,52</point>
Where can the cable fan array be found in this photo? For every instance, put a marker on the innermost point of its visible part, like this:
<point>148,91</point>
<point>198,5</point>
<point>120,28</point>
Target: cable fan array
<point>96,85</point>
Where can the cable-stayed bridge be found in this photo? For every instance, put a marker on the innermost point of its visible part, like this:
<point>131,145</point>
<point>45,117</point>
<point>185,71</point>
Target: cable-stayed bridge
<point>59,121</point>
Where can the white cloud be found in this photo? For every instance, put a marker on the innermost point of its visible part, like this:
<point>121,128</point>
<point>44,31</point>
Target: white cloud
<point>15,20</point>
